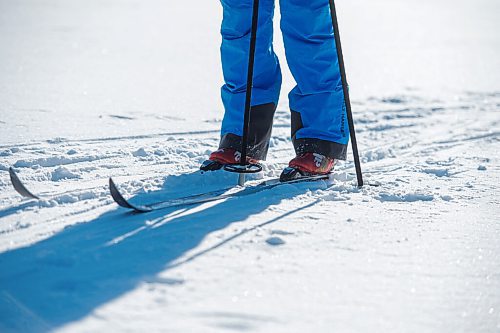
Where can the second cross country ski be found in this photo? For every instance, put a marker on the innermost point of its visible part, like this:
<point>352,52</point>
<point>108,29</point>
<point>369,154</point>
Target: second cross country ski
<point>19,186</point>
<point>205,197</point>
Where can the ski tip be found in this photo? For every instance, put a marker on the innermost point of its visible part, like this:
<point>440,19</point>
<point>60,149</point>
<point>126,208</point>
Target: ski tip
<point>12,173</point>
<point>117,196</point>
<point>121,201</point>
<point>19,186</point>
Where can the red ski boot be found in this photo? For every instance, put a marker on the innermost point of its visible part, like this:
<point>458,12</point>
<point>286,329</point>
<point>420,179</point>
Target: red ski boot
<point>307,164</point>
<point>221,157</point>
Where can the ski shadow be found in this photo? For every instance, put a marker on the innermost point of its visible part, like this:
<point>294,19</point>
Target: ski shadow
<point>4,212</point>
<point>64,278</point>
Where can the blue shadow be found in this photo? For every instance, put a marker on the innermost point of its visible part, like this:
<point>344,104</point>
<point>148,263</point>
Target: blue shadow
<point>64,278</point>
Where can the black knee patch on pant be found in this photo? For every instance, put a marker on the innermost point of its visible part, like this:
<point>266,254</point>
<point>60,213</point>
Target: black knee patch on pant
<point>330,149</point>
<point>296,123</point>
<point>259,134</point>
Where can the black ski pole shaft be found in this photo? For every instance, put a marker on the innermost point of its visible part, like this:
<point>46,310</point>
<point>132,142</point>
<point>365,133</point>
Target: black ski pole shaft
<point>345,89</point>
<point>248,98</point>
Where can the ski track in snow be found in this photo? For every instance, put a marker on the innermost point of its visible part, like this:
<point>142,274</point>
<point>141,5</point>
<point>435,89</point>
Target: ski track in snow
<point>437,158</point>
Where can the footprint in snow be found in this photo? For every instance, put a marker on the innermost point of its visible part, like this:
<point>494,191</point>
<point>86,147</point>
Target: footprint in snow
<point>275,241</point>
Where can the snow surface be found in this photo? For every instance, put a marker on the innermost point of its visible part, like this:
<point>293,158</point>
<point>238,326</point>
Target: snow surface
<point>130,89</point>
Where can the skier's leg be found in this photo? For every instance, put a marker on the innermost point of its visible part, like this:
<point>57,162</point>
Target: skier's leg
<point>236,26</point>
<point>319,121</point>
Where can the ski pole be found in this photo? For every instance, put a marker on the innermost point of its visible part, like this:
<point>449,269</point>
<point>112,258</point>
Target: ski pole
<point>243,168</point>
<point>345,88</point>
<point>248,97</point>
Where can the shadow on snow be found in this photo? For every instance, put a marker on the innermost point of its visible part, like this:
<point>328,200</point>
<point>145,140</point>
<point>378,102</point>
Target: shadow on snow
<point>64,278</point>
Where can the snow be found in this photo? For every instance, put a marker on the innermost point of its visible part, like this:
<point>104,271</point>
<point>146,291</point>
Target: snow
<point>130,90</point>
<point>63,173</point>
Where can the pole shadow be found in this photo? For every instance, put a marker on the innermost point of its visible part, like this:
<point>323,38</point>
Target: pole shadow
<point>64,278</point>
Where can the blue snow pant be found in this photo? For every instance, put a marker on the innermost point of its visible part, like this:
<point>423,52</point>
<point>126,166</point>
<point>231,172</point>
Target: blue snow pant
<point>317,105</point>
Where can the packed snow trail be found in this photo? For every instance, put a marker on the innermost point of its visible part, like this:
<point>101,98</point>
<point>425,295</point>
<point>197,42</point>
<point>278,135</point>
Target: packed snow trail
<point>434,218</point>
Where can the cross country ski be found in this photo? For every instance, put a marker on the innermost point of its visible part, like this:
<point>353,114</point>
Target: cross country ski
<point>19,186</point>
<point>216,195</point>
